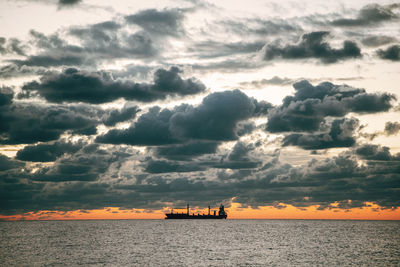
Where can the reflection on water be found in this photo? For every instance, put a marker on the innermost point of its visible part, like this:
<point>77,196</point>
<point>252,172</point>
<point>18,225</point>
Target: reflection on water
<point>200,243</point>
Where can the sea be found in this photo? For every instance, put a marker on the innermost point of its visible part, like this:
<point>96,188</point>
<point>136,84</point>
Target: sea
<point>200,243</point>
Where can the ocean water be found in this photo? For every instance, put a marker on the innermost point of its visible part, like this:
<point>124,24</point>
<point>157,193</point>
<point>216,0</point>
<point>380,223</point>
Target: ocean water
<point>200,243</point>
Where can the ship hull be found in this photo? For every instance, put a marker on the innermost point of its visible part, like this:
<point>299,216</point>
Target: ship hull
<point>199,216</point>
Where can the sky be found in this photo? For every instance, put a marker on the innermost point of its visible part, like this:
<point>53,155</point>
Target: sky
<point>126,109</point>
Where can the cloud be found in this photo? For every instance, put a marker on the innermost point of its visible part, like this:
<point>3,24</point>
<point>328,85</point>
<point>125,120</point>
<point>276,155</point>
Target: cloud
<point>23,123</point>
<point>6,163</point>
<point>307,109</point>
<point>111,40</point>
<point>240,151</point>
<point>373,152</point>
<point>87,164</point>
<point>151,128</point>
<point>52,60</point>
<point>47,152</point>
<point>391,53</point>
<point>369,15</point>
<point>392,128</point>
<point>68,2</point>
<point>215,119</point>
<point>238,158</point>
<point>160,22</point>
<point>114,116</point>
<point>186,151</point>
<point>230,65</point>
<point>6,95</point>
<point>214,49</point>
<point>312,45</point>
<point>163,166</point>
<point>259,26</point>
<point>99,42</point>
<point>318,182</point>
<point>15,71</point>
<point>206,153</point>
<point>12,46</point>
<point>378,40</point>
<point>341,134</point>
<point>325,181</point>
<point>272,81</point>
<point>73,85</point>
<point>56,52</point>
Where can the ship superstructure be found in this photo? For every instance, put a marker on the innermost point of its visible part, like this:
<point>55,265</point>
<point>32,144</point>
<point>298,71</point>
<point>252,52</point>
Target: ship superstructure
<point>221,214</point>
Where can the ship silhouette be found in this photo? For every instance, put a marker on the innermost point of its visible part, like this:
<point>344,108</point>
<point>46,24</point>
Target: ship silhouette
<point>221,214</point>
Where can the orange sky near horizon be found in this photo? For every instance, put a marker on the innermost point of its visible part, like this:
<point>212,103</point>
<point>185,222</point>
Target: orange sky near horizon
<point>372,212</point>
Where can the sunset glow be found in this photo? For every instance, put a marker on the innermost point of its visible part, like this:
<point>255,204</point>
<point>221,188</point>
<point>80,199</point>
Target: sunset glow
<point>371,212</point>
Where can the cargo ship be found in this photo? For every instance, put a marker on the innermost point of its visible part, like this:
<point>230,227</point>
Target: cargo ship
<point>221,214</point>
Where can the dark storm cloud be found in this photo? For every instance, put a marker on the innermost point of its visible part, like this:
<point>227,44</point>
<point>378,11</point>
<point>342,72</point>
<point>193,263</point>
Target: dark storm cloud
<point>7,163</point>
<point>114,116</point>
<point>240,151</point>
<point>73,85</point>
<point>373,152</point>
<point>326,181</point>
<point>391,53</point>
<point>378,40</point>
<point>52,60</point>
<point>71,195</point>
<point>369,15</point>
<point>11,46</point>
<point>186,151</point>
<point>392,128</point>
<point>341,134</point>
<point>23,123</point>
<point>161,22</point>
<point>244,128</point>
<point>163,166</point>
<point>238,158</point>
<point>215,119</point>
<point>6,95</point>
<point>151,128</point>
<point>217,116</point>
<point>319,182</point>
<point>322,182</point>
<point>47,152</point>
<point>234,165</point>
<point>87,164</point>
<point>313,45</point>
<point>68,2</point>
<point>307,109</point>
